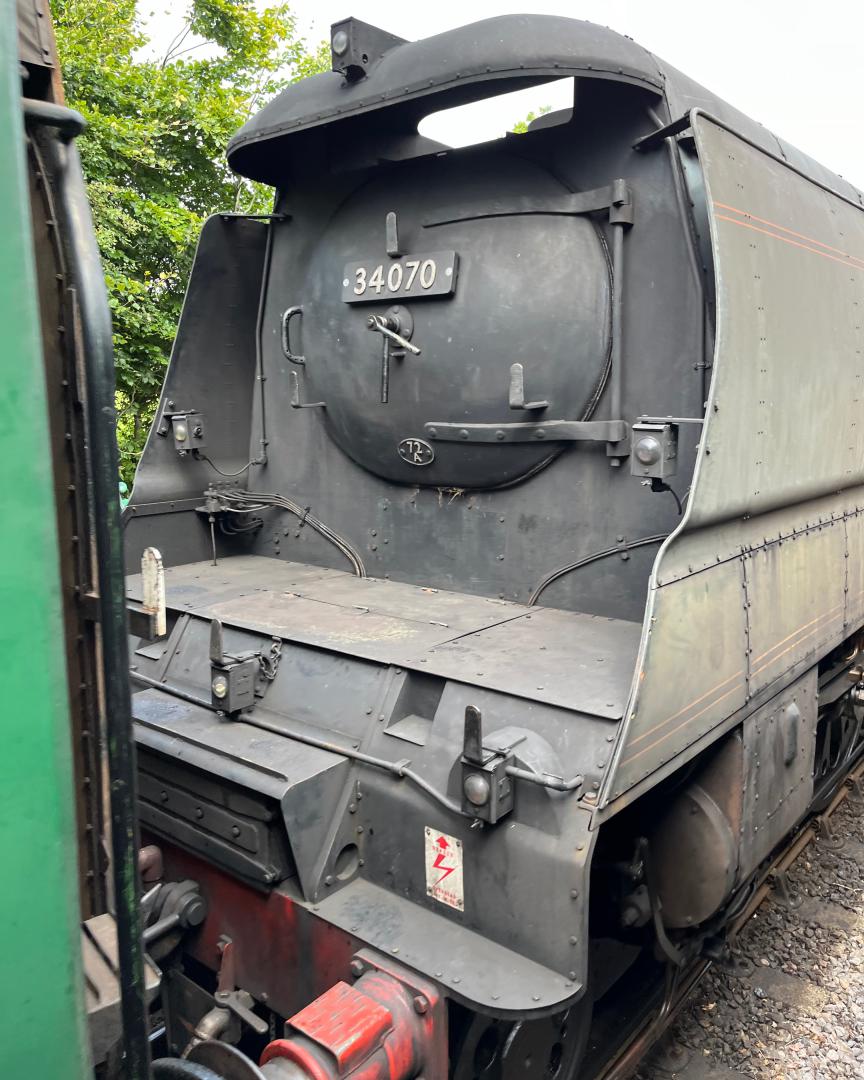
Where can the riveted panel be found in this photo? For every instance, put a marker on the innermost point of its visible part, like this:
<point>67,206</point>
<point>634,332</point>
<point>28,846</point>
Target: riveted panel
<point>854,569</point>
<point>779,473</point>
<point>789,259</point>
<point>779,745</point>
<point>693,670</point>
<point>795,597</point>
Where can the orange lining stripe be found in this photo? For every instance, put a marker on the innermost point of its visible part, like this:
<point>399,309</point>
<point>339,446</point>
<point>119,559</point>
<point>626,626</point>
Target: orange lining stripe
<point>809,633</point>
<point>683,723</point>
<point>689,705</point>
<point>777,644</point>
<point>794,243</point>
<point>783,228</point>
<point>837,613</point>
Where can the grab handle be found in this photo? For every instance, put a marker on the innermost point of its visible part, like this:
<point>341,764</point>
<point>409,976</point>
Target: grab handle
<point>287,316</point>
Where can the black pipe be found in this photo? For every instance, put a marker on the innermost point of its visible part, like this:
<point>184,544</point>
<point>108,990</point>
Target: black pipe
<point>617,374</point>
<point>95,321</point>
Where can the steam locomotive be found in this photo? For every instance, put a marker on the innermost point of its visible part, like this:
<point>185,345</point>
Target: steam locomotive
<point>510,505</point>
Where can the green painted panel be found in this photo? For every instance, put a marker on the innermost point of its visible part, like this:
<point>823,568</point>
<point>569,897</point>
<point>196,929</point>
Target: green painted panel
<point>764,575</point>
<point>42,1029</point>
<point>784,422</point>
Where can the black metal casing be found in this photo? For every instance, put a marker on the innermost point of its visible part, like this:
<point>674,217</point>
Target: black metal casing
<point>464,440</point>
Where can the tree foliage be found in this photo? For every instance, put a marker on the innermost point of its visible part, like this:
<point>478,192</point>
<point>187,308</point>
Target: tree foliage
<point>154,157</point>
<point>521,126</point>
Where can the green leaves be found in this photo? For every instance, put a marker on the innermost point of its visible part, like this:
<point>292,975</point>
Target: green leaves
<point>154,158</point>
<point>521,126</point>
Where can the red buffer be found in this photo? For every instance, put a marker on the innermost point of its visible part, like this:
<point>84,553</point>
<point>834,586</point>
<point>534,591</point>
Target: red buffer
<point>390,1025</point>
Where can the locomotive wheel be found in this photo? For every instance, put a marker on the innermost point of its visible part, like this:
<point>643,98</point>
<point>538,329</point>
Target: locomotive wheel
<point>838,737</point>
<point>548,1049</point>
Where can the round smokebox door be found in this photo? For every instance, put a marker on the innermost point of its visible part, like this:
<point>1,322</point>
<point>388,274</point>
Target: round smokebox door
<point>399,344</point>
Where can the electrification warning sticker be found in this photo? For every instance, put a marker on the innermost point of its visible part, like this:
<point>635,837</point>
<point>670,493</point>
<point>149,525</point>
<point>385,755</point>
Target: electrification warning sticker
<point>444,869</point>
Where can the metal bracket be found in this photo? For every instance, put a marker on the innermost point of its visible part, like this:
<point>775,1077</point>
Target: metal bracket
<point>655,450</point>
<point>142,624</point>
<point>669,131</point>
<point>670,420</point>
<point>614,431</point>
<point>487,790</point>
<point>783,895</point>
<point>827,834</point>
<point>187,430</point>
<point>391,230</point>
<point>615,198</point>
<point>855,799</point>
<point>517,390</point>
<point>296,403</point>
<point>153,590</point>
<point>232,678</point>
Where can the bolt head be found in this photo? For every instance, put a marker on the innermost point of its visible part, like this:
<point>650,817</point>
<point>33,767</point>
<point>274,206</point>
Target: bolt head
<point>421,1005</point>
<point>356,968</point>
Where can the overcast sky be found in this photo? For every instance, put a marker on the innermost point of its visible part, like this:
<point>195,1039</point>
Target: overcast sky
<point>795,67</point>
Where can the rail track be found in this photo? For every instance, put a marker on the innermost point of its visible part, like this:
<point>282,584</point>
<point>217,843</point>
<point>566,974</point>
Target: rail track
<point>772,882</point>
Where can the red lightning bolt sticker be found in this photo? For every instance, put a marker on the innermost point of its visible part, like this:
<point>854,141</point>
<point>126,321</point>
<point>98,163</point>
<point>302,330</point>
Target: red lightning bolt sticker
<point>440,860</point>
<point>444,881</point>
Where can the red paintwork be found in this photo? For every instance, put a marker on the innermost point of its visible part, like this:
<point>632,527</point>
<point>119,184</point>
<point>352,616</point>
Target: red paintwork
<point>284,954</point>
<point>346,1022</point>
<point>370,1031</point>
<point>300,1055</point>
<point>298,964</point>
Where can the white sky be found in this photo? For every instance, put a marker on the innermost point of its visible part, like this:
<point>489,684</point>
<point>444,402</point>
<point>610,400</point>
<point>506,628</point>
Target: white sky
<point>795,67</point>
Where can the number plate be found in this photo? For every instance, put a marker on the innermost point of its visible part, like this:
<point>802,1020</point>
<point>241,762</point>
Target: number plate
<point>398,279</point>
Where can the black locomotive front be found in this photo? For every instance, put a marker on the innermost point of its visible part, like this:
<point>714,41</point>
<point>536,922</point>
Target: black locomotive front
<point>424,432</point>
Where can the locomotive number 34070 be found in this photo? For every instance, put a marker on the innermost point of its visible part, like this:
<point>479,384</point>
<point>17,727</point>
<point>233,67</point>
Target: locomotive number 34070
<point>407,276</point>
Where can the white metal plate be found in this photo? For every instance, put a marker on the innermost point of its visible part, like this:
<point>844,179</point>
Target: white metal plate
<point>444,881</point>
